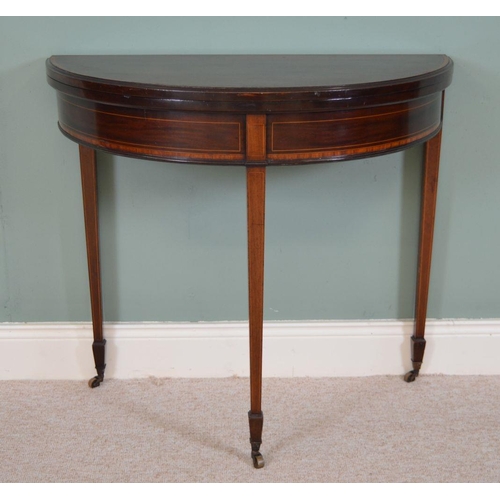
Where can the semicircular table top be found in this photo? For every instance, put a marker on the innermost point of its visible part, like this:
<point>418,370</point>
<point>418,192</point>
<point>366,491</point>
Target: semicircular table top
<point>243,78</point>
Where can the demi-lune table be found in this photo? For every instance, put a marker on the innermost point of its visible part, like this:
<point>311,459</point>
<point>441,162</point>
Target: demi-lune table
<point>253,111</point>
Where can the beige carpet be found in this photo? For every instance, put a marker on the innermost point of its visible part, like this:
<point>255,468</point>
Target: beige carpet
<point>375,429</point>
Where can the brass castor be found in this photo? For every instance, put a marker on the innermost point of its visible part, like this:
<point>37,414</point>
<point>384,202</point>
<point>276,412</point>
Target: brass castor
<point>411,376</point>
<point>258,460</point>
<point>95,382</point>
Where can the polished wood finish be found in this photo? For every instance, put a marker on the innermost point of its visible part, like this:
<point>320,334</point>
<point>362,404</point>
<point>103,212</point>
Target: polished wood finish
<point>317,108</point>
<point>352,133</point>
<point>256,139</point>
<point>256,193</point>
<point>427,216</point>
<point>428,209</point>
<point>88,168</point>
<point>250,83</point>
<point>155,134</point>
<point>253,111</point>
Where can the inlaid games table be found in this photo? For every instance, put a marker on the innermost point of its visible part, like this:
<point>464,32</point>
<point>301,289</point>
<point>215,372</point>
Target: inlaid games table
<point>252,111</point>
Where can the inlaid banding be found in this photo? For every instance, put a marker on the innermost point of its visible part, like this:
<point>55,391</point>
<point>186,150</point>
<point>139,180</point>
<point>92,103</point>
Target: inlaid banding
<point>160,133</point>
<point>353,132</point>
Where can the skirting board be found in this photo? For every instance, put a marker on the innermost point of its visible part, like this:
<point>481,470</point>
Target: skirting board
<point>50,351</point>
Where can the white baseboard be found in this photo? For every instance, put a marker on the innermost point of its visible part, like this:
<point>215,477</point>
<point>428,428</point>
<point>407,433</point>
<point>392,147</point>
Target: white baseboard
<point>291,349</point>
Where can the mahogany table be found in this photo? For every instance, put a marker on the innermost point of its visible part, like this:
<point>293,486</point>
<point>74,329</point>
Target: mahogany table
<point>252,111</point>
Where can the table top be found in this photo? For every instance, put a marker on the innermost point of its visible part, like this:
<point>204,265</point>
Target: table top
<point>253,81</point>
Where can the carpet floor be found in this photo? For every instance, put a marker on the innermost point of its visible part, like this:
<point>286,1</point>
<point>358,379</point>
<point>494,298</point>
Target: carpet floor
<point>352,430</point>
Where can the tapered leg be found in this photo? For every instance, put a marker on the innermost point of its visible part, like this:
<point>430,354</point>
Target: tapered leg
<point>256,193</point>
<point>89,191</point>
<point>427,215</point>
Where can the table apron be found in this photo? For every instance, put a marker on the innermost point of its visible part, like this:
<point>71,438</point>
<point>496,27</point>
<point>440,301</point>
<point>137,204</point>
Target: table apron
<point>225,138</point>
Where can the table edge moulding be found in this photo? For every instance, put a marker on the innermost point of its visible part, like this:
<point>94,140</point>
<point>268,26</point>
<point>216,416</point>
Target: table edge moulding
<point>253,111</point>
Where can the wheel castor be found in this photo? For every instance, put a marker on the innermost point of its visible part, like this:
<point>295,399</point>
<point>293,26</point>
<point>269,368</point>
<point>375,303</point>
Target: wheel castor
<point>95,382</point>
<point>411,376</point>
<point>258,460</point>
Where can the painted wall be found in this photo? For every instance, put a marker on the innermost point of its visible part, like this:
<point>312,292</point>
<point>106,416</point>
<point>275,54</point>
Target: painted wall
<point>341,238</point>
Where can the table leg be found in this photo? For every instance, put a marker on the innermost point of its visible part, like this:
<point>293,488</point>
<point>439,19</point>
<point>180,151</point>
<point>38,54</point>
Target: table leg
<point>256,194</point>
<point>427,215</point>
<point>88,169</point>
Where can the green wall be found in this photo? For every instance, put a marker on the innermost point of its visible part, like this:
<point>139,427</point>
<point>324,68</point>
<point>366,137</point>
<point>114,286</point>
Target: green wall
<point>341,238</point>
